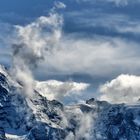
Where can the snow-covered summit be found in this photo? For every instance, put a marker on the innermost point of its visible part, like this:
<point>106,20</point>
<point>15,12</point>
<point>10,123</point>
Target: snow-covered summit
<point>2,69</point>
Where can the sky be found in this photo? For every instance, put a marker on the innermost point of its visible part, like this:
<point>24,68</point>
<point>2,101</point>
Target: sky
<point>91,41</point>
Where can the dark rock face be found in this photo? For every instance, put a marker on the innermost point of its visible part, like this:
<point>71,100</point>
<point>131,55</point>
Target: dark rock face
<point>17,115</point>
<point>2,134</point>
<point>3,79</point>
<point>39,132</point>
<point>118,123</point>
<point>90,101</point>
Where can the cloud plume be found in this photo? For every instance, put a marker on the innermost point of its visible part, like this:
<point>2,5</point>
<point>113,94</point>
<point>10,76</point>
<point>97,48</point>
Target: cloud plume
<point>30,44</point>
<point>84,123</point>
<point>123,89</point>
<point>33,45</point>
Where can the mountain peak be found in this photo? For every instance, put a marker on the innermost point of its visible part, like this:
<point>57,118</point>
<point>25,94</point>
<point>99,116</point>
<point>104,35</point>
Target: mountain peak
<point>3,70</point>
<point>38,118</point>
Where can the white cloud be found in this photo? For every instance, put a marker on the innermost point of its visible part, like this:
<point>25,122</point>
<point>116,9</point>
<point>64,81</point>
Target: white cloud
<point>117,2</point>
<point>123,89</point>
<point>53,89</point>
<point>85,124</point>
<point>123,2</point>
<point>59,5</point>
<point>29,46</point>
<point>40,34</point>
<point>24,76</point>
<point>97,56</point>
<point>85,128</point>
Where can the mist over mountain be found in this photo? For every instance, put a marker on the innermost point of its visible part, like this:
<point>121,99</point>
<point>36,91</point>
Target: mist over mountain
<point>69,70</point>
<point>35,117</point>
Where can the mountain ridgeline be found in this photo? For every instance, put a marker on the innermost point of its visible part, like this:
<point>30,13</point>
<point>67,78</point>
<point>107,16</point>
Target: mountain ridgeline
<point>37,118</point>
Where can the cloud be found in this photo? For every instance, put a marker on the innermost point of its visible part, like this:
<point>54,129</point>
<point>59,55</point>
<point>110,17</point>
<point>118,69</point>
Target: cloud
<point>31,45</point>
<point>44,49</point>
<point>53,89</point>
<point>42,43</point>
<point>59,5</point>
<point>24,76</point>
<point>39,36</point>
<point>123,89</point>
<point>123,2</point>
<point>95,57</point>
<point>119,2</point>
<point>105,23</point>
<point>85,128</point>
<point>84,124</point>
<point>116,2</point>
<point>30,42</point>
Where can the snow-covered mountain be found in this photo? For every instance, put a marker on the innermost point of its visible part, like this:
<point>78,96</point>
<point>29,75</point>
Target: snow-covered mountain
<point>35,117</point>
